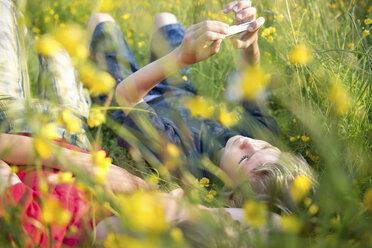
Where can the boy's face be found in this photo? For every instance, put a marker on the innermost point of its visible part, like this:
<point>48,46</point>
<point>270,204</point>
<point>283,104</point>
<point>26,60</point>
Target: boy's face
<point>242,155</point>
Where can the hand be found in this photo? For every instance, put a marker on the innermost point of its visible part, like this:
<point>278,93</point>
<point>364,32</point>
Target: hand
<point>245,13</point>
<point>201,41</point>
<point>121,181</point>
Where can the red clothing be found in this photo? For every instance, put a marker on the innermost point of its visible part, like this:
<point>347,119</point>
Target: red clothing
<point>26,195</point>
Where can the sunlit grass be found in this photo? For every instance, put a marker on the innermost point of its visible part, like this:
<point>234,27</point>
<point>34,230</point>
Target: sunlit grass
<point>318,55</point>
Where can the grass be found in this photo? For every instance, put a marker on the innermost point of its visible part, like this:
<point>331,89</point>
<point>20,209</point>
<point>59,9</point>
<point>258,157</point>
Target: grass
<point>339,144</point>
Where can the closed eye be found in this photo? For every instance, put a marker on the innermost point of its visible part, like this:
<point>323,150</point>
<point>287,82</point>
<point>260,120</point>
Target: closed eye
<point>243,158</point>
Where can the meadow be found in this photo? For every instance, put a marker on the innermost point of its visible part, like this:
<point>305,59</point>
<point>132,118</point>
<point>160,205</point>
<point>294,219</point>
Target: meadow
<point>316,58</point>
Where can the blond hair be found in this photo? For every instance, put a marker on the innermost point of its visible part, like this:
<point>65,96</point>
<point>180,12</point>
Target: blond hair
<point>275,179</point>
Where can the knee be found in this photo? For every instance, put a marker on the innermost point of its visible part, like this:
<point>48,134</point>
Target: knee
<point>96,19</point>
<point>164,18</point>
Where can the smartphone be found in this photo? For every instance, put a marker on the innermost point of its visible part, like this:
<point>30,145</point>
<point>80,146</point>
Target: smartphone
<point>237,29</point>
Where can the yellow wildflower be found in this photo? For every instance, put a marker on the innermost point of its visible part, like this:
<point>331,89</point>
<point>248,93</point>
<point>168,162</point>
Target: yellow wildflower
<point>339,98</point>
<point>365,33</point>
<point>144,212</point>
<point>47,19</point>
<point>300,55</point>
<point>279,17</point>
<point>177,235</point>
<point>96,117</point>
<point>227,118</point>
<point>255,213</point>
<point>72,37</point>
<point>267,54</point>
<point>198,106</point>
<point>313,209</point>
<point>42,148</point>
<point>253,80</point>
<point>99,158</point>
<point>292,139</point>
<point>47,46</point>
<point>36,30</point>
<point>102,84</point>
<point>270,39</point>
<point>49,131</point>
<point>300,187</point>
<point>204,182</point>
<point>65,177</point>
<point>184,78</point>
<point>290,224</point>
<point>209,198</point>
<point>54,213</point>
<point>305,138</point>
<point>212,192</point>
<point>368,21</point>
<point>350,45</point>
<point>125,16</point>
<point>14,169</point>
<point>141,44</point>
<point>172,150</point>
<point>367,199</point>
<point>105,5</point>
<point>71,122</point>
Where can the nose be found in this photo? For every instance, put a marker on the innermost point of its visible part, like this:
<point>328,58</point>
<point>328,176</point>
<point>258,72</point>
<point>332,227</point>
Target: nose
<point>245,144</point>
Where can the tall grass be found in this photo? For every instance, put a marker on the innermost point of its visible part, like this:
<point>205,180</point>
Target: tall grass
<point>337,144</point>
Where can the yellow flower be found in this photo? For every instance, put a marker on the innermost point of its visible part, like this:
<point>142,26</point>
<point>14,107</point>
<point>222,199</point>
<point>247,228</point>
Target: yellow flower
<point>184,78</point>
<point>65,177</point>
<point>209,198</point>
<point>253,80</point>
<point>365,33</point>
<point>96,117</point>
<point>144,212</point>
<point>305,138</point>
<point>172,150</point>
<point>54,213</point>
<point>105,5</point>
<point>204,182</point>
<point>255,213</point>
<point>47,46</point>
<point>339,98</point>
<point>72,37</point>
<point>300,55</point>
<point>368,21</point>
<point>270,39</point>
<point>367,199</point>
<point>36,30</point>
<point>300,187</point>
<point>279,17</point>
<point>350,45</point>
<point>71,122</point>
<point>292,139</point>
<point>290,224</point>
<point>198,106</point>
<point>99,158</point>
<point>14,169</point>
<point>119,241</point>
<point>102,84</point>
<point>212,192</point>
<point>49,131</point>
<point>42,148</point>
<point>227,118</point>
<point>267,54</point>
<point>141,44</point>
<point>177,235</point>
<point>125,16</point>
<point>313,209</point>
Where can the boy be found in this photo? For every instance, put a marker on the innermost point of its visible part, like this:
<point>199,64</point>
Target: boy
<point>147,99</point>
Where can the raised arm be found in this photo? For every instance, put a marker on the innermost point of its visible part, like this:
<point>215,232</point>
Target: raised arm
<point>200,42</point>
<point>249,53</point>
